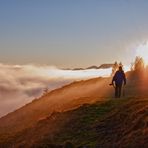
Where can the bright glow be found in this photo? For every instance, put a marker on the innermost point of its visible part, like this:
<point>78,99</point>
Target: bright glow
<point>126,68</point>
<point>142,51</point>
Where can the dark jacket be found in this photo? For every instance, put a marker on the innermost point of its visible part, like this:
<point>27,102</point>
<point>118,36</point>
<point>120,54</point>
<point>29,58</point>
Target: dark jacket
<point>119,78</point>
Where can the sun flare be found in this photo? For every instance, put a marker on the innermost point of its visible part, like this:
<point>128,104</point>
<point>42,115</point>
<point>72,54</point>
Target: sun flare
<point>142,51</point>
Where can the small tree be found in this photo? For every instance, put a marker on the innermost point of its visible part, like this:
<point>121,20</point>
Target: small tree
<point>45,91</point>
<point>138,64</point>
<point>132,66</point>
<point>114,68</point>
<point>120,64</point>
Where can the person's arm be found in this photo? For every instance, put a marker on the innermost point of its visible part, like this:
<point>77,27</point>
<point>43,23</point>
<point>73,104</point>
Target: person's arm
<point>114,77</point>
<point>113,80</point>
<point>124,78</point>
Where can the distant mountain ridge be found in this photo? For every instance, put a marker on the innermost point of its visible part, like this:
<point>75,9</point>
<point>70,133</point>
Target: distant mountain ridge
<point>102,66</point>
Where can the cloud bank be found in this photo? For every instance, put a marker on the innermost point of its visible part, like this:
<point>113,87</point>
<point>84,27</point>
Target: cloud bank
<point>20,84</point>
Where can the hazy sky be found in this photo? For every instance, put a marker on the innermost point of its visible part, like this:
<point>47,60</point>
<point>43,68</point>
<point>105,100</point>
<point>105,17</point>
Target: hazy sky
<point>71,33</point>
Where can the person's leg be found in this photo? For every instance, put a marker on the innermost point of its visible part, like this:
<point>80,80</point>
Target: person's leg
<point>116,91</point>
<point>119,90</point>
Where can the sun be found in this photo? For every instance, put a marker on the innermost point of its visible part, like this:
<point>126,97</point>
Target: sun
<point>142,51</point>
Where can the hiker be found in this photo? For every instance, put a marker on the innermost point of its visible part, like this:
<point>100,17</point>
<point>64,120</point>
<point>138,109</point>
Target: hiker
<point>119,78</point>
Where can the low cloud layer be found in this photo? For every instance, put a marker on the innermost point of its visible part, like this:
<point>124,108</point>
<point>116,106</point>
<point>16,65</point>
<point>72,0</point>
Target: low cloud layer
<point>20,84</point>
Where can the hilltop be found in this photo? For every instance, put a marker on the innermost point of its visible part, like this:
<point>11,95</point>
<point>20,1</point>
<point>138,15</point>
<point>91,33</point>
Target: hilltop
<point>83,113</point>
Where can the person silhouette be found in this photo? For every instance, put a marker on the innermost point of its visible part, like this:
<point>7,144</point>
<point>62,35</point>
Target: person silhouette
<point>118,79</point>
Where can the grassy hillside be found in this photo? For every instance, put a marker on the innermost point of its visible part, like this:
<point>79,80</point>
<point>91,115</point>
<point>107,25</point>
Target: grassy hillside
<point>84,114</point>
<point>114,123</point>
<point>62,99</point>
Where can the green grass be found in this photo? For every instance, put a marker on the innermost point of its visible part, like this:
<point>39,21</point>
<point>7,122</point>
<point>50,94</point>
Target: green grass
<point>80,128</point>
<point>77,126</point>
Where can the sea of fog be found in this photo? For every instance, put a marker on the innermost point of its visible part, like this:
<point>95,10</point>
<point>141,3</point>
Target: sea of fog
<point>20,84</point>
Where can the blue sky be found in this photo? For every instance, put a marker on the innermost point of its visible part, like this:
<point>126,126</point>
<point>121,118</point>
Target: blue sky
<point>71,33</point>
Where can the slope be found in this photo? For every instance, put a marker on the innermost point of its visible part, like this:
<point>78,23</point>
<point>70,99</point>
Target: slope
<point>113,123</point>
<point>65,98</point>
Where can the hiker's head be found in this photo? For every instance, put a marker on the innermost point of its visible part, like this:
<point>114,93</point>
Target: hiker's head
<point>120,68</point>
